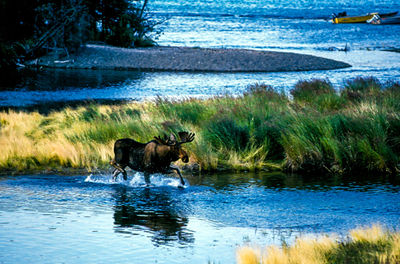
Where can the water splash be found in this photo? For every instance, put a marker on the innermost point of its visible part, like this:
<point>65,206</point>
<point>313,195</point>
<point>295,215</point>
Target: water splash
<point>137,180</point>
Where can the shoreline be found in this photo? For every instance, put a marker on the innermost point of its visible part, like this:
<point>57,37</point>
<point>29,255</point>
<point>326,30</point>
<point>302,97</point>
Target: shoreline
<point>191,169</point>
<point>262,130</point>
<point>186,59</point>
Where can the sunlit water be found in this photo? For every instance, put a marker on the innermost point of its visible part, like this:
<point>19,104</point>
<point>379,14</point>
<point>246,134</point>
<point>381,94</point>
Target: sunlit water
<point>294,26</point>
<point>91,219</point>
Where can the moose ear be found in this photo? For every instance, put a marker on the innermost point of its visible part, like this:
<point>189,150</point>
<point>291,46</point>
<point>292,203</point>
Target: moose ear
<point>171,140</point>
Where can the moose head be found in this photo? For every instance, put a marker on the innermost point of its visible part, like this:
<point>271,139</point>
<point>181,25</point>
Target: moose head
<point>173,147</point>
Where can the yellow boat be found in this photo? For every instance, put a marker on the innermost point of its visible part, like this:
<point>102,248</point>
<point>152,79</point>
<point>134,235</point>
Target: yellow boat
<point>352,19</point>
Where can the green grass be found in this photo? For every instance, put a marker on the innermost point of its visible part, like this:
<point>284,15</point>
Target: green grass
<point>314,130</point>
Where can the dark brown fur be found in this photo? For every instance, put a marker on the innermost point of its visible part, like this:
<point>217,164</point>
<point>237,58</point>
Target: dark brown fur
<point>154,156</point>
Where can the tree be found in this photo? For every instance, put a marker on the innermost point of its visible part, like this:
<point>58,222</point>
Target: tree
<point>126,23</point>
<point>29,28</point>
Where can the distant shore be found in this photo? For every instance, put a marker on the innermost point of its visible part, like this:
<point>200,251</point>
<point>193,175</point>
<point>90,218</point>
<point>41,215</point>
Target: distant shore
<point>187,59</point>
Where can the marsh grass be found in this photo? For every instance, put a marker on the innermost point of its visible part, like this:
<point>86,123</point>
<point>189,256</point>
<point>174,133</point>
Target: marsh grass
<point>306,90</point>
<point>365,245</point>
<point>353,130</point>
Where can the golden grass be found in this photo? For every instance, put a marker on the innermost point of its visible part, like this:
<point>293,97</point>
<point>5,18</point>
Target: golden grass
<point>365,245</point>
<point>30,141</point>
<point>261,130</point>
<point>247,255</point>
<point>80,138</point>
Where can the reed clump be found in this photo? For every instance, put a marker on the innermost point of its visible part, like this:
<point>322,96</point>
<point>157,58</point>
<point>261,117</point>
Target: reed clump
<point>355,129</point>
<point>365,245</point>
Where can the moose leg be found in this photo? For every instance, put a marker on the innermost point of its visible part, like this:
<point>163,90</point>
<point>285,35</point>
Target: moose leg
<point>179,173</point>
<point>125,175</point>
<point>115,174</point>
<point>147,178</point>
<point>118,170</point>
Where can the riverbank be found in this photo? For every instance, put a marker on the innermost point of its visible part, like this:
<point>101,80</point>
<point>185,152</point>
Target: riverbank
<point>186,59</point>
<point>364,245</point>
<point>319,130</point>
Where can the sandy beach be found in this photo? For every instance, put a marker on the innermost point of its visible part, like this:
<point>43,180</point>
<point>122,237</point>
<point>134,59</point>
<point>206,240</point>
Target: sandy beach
<point>187,59</point>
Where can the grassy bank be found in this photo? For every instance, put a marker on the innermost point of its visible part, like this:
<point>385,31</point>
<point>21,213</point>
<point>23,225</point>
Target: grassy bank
<point>314,129</point>
<point>370,245</point>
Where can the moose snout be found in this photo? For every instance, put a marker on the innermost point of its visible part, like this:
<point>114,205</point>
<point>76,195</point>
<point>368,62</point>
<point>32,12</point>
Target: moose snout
<point>183,156</point>
<point>185,159</point>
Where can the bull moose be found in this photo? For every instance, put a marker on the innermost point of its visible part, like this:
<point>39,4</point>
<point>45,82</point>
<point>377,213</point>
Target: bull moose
<point>154,156</point>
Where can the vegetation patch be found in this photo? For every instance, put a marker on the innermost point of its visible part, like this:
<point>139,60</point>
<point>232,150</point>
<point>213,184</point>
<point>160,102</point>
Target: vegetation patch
<point>355,130</point>
<point>368,245</point>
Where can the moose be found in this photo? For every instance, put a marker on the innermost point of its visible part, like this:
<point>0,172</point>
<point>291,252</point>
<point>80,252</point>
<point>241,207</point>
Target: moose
<point>154,156</point>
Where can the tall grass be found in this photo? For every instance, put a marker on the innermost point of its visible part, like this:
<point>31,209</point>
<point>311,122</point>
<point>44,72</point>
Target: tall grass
<point>369,245</point>
<point>355,129</point>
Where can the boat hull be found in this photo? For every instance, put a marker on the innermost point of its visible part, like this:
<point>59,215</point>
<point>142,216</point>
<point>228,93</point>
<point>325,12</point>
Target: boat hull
<point>385,15</point>
<point>390,21</point>
<point>352,19</point>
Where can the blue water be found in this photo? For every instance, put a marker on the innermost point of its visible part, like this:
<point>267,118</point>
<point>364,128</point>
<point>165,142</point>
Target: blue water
<point>294,26</point>
<point>90,219</point>
<point>266,9</point>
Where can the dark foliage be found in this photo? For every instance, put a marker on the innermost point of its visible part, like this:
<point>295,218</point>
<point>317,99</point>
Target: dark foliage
<point>29,28</point>
<point>225,132</point>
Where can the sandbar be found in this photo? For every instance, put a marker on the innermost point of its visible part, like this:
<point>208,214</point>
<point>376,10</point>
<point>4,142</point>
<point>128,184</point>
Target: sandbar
<point>190,59</point>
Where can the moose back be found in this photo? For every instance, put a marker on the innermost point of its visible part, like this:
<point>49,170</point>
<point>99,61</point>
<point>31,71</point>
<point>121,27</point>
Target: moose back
<point>154,156</point>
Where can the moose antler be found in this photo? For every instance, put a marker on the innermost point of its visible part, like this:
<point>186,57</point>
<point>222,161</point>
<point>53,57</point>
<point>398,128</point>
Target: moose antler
<point>162,140</point>
<point>186,137</point>
<point>167,141</point>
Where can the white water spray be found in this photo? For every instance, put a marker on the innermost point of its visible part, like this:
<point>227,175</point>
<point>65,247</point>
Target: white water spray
<point>137,180</point>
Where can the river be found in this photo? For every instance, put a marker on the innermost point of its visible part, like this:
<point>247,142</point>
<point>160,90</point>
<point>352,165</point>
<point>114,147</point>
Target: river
<point>290,26</point>
<point>90,219</point>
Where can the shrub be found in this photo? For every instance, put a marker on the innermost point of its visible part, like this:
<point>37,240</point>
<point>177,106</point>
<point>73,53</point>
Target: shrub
<point>308,90</point>
<point>361,88</point>
<point>264,91</point>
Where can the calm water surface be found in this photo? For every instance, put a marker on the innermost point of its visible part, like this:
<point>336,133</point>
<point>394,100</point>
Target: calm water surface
<point>294,26</point>
<point>89,219</point>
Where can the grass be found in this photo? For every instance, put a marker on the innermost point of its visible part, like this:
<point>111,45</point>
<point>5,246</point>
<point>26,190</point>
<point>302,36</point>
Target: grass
<point>317,129</point>
<point>368,245</point>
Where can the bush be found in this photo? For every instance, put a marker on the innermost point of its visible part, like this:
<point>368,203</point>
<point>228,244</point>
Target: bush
<point>308,90</point>
<point>361,88</point>
<point>264,91</point>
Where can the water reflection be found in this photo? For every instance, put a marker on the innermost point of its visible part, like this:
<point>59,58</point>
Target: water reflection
<point>56,86</point>
<point>153,211</point>
<point>205,221</point>
<point>71,79</point>
<point>283,181</point>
